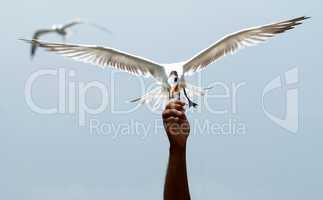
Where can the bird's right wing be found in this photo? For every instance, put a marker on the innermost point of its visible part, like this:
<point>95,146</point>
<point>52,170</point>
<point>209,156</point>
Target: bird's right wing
<point>72,23</point>
<point>78,21</point>
<point>106,56</point>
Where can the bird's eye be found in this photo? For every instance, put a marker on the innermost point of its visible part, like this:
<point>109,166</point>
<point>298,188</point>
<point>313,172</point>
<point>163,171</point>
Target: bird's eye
<point>175,79</point>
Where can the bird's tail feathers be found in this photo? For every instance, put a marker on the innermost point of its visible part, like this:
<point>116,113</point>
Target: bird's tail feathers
<point>156,96</point>
<point>196,91</point>
<point>159,96</point>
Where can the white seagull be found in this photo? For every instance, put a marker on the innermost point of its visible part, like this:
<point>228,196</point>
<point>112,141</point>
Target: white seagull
<point>170,77</point>
<point>61,30</point>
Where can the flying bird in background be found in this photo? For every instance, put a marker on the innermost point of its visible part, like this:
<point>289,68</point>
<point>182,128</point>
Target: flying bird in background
<point>62,30</point>
<point>170,77</point>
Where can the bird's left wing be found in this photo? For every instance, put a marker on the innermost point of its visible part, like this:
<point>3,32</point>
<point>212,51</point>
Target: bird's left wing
<point>94,25</point>
<point>105,56</point>
<point>72,23</point>
<point>233,42</point>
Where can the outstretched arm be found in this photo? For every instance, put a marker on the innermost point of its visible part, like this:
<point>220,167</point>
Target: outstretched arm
<point>177,129</point>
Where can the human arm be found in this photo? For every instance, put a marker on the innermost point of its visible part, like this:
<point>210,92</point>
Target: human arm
<point>177,129</point>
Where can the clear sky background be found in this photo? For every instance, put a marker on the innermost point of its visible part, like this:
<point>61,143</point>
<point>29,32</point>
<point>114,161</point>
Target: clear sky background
<point>51,157</point>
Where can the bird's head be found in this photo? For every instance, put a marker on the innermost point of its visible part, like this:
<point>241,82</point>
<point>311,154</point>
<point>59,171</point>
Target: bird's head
<point>173,78</point>
<point>59,29</point>
<point>56,26</point>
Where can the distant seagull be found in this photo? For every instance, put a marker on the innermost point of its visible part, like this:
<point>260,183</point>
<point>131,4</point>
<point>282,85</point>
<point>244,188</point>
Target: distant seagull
<point>170,77</point>
<point>61,30</point>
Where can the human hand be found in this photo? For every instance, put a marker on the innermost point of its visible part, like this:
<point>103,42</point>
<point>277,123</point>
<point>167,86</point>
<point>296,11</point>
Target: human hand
<point>176,124</point>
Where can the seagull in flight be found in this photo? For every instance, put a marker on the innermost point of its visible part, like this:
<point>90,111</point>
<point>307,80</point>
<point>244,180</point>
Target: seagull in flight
<point>170,77</point>
<point>61,30</point>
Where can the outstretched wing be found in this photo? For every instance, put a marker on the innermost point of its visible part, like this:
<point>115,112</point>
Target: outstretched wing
<point>105,56</point>
<point>94,25</point>
<point>36,35</point>
<point>233,42</point>
<point>72,23</point>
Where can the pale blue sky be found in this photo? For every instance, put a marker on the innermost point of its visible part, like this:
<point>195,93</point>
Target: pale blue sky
<point>51,157</point>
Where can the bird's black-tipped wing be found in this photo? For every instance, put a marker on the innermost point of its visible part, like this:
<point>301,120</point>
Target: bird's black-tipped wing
<point>36,36</point>
<point>105,56</point>
<point>72,23</point>
<point>233,42</point>
<point>94,25</point>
